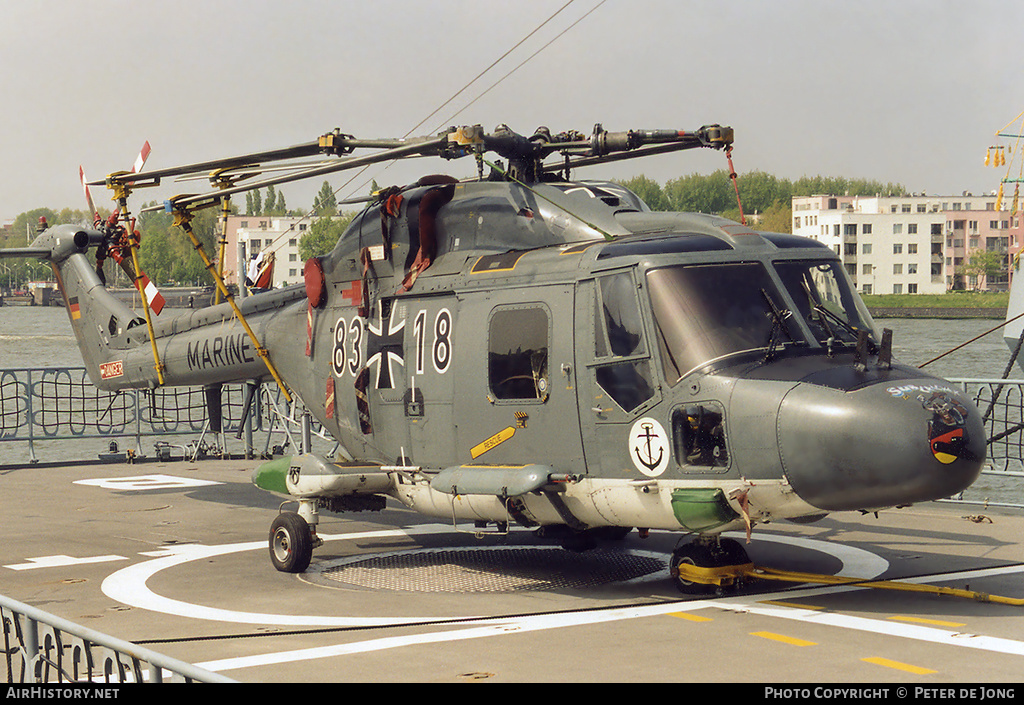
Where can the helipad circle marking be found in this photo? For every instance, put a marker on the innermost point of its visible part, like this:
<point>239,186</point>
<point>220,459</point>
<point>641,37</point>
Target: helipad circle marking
<point>128,585</point>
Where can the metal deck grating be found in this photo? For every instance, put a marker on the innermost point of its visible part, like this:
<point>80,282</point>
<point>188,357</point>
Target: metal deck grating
<point>488,569</point>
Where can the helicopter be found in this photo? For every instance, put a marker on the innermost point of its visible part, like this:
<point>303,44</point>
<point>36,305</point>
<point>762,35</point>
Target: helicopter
<point>520,349</point>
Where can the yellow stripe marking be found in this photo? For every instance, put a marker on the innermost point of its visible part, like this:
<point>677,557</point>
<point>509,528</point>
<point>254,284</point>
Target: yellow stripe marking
<point>691,617</point>
<point>783,638</point>
<point>496,440</point>
<point>898,666</point>
<point>921,620</point>
<point>795,605</point>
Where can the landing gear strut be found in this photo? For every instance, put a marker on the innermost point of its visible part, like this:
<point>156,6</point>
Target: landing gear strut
<point>709,565</point>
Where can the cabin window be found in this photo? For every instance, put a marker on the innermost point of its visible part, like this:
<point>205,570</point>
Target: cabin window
<point>517,365</point>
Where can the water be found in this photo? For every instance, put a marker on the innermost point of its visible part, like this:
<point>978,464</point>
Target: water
<point>32,336</point>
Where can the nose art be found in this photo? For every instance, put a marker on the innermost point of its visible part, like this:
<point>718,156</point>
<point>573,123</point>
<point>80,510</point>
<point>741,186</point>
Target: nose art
<point>880,445</point>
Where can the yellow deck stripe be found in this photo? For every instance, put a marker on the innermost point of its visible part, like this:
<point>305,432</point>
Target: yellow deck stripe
<point>795,605</point>
<point>878,661</point>
<point>922,620</point>
<point>783,638</point>
<point>691,617</point>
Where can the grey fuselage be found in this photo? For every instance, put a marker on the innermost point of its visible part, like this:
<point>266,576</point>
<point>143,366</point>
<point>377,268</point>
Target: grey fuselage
<point>568,327</point>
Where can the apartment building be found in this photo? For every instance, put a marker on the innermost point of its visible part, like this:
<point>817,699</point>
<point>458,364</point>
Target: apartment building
<point>264,233</point>
<point>912,244</point>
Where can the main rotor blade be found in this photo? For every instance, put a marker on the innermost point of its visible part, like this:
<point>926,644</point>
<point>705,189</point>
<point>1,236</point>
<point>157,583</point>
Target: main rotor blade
<point>417,148</point>
<point>331,143</point>
<point>245,160</point>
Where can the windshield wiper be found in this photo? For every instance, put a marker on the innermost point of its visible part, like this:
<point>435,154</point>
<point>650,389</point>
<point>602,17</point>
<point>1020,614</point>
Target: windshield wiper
<point>856,333</point>
<point>779,326</point>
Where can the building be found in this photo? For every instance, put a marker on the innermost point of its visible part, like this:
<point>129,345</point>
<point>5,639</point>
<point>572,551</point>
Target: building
<point>265,233</point>
<point>912,244</point>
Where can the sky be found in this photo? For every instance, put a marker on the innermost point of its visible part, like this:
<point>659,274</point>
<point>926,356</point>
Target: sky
<point>903,91</point>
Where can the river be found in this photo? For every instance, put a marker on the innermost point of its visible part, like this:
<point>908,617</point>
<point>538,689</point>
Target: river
<point>32,336</point>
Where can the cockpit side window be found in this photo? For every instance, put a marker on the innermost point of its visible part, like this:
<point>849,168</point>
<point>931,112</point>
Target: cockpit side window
<point>622,332</point>
<point>624,372</point>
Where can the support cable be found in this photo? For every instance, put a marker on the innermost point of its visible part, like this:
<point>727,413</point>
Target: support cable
<point>121,193</point>
<point>183,219</point>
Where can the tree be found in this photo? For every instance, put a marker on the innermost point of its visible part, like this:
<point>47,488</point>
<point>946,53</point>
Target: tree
<point>982,263</point>
<point>325,205</point>
<point>323,235</point>
<point>701,194</point>
<point>167,255</point>
<point>649,191</point>
<point>270,201</point>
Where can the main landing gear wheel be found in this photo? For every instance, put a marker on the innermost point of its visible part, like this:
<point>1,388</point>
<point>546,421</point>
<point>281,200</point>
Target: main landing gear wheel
<point>291,543</point>
<point>707,554</point>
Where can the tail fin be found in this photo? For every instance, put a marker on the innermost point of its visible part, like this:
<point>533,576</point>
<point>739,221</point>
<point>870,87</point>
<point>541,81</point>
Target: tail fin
<point>104,326</point>
<point>199,348</point>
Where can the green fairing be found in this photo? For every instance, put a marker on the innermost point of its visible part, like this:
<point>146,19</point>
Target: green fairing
<point>272,476</point>
<point>702,509</point>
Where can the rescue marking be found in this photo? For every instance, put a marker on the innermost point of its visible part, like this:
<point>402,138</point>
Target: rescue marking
<point>353,293</point>
<point>493,442</point>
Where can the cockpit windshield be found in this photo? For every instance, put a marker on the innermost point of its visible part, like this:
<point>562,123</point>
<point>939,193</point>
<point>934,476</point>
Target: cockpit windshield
<point>825,300</point>
<point>705,312</point>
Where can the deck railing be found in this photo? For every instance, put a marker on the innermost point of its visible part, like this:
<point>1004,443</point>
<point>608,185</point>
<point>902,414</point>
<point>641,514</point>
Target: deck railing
<point>61,404</point>
<point>54,404</point>
<point>41,648</point>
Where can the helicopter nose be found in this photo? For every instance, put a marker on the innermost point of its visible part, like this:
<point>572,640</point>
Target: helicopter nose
<point>879,446</point>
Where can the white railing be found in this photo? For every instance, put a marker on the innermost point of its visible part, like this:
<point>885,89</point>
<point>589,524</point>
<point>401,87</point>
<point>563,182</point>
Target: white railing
<point>41,648</point>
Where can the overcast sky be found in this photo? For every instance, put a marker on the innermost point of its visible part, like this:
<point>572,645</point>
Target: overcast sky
<point>905,91</point>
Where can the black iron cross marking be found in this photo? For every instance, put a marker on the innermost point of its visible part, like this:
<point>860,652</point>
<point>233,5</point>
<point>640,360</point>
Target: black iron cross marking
<point>385,347</point>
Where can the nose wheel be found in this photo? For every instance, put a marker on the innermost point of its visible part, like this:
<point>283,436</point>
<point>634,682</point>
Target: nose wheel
<point>709,565</point>
<point>291,543</point>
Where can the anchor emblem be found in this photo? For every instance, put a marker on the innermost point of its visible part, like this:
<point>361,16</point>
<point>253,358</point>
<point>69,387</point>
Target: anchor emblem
<point>648,447</point>
<point>646,457</point>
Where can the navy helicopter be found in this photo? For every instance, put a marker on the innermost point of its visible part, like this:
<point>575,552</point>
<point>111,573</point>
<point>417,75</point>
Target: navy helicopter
<point>523,349</point>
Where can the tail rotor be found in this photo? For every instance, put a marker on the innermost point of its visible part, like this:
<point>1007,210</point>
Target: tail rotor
<point>119,241</point>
